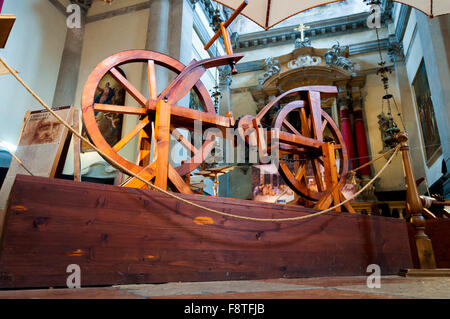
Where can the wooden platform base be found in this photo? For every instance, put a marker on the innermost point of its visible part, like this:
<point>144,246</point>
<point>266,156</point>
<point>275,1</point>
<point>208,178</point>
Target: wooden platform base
<point>130,236</point>
<point>438,272</point>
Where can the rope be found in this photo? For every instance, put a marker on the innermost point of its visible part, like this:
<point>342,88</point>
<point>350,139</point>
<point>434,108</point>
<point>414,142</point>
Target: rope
<point>16,158</point>
<point>128,172</point>
<point>372,161</point>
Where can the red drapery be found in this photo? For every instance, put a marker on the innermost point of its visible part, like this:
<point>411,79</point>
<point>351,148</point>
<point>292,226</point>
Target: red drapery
<point>347,135</point>
<point>361,142</point>
<point>1,5</point>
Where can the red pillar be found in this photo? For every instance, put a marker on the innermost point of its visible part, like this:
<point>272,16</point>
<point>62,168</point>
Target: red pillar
<point>347,134</point>
<point>361,142</point>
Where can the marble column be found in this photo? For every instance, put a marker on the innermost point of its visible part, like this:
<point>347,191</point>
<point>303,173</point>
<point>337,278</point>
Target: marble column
<point>157,40</point>
<point>169,32</point>
<point>66,85</point>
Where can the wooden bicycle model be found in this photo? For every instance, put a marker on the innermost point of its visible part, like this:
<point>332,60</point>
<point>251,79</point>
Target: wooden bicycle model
<point>307,139</point>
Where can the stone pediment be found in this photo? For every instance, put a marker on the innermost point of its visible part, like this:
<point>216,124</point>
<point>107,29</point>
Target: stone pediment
<point>306,66</point>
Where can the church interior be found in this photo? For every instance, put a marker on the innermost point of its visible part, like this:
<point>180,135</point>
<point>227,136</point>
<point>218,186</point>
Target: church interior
<point>245,148</point>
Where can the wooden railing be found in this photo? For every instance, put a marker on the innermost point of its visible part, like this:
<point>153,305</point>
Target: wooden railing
<point>395,209</point>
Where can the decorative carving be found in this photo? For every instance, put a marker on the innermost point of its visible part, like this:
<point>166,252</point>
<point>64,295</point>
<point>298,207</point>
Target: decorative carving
<point>301,44</point>
<point>395,49</point>
<point>304,61</point>
<point>216,20</point>
<point>271,67</point>
<point>212,14</point>
<point>193,2</point>
<point>336,57</point>
<point>225,78</point>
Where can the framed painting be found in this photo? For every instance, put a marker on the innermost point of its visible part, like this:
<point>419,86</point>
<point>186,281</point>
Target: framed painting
<point>109,91</point>
<point>427,117</point>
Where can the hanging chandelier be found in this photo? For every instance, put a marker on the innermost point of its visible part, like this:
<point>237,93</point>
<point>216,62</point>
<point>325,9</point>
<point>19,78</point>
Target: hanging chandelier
<point>386,122</point>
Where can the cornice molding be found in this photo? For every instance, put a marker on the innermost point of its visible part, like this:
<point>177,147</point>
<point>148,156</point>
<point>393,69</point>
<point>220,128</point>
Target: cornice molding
<point>354,49</point>
<point>319,29</point>
<point>117,12</point>
<point>402,22</point>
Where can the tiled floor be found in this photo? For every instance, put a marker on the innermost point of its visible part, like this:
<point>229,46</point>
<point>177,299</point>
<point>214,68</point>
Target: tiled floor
<point>392,287</point>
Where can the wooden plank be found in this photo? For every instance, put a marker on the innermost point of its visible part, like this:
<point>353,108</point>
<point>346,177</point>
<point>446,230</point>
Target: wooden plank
<point>178,182</point>
<point>148,173</point>
<point>130,236</point>
<point>129,87</point>
<point>131,134</point>
<point>185,116</point>
<point>119,109</point>
<point>316,114</point>
<point>162,136</point>
<point>6,25</point>
<point>331,174</point>
<point>151,73</point>
<point>76,147</point>
<point>437,230</point>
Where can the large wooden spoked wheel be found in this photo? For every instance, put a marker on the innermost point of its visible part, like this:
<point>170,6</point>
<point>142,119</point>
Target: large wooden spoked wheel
<point>146,113</point>
<point>302,168</point>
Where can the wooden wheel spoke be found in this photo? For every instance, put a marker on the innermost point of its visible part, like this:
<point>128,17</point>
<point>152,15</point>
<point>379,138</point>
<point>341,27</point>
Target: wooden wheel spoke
<point>152,80</point>
<point>129,87</point>
<point>318,175</point>
<point>320,160</point>
<point>183,141</point>
<point>178,181</point>
<point>119,109</point>
<point>324,125</point>
<point>290,127</point>
<point>300,172</point>
<point>305,123</point>
<point>147,173</point>
<point>131,134</point>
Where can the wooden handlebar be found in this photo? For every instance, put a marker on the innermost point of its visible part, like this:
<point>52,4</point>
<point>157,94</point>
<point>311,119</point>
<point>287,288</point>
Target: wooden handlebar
<point>227,23</point>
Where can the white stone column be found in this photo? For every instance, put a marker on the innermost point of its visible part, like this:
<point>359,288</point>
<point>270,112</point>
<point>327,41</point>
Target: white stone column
<point>66,85</point>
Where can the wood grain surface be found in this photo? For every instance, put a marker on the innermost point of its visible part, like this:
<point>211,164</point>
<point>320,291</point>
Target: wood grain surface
<point>130,236</point>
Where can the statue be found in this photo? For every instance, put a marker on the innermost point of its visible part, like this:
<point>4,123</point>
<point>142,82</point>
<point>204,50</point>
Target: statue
<point>271,67</point>
<point>299,43</point>
<point>335,57</point>
<point>302,41</point>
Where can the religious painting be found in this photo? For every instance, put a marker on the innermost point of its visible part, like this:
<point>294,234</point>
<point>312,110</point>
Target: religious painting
<point>109,91</point>
<point>427,117</point>
<point>194,101</point>
<point>268,185</point>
